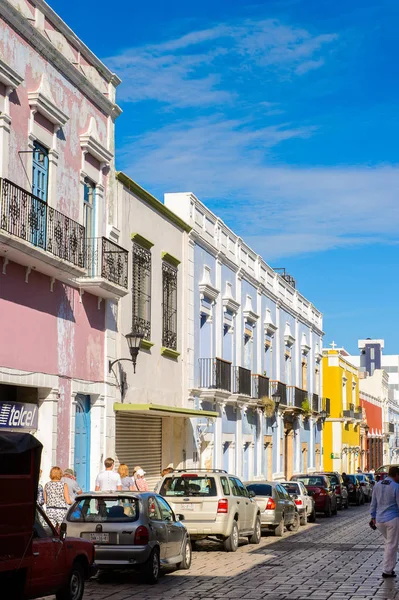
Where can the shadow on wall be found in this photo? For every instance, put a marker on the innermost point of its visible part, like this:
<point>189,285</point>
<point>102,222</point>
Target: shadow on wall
<point>95,314</point>
<point>37,294</point>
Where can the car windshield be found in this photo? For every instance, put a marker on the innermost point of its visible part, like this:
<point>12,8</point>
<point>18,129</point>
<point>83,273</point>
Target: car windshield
<point>260,489</point>
<point>308,480</point>
<point>104,510</point>
<point>292,488</point>
<point>352,478</point>
<point>189,485</point>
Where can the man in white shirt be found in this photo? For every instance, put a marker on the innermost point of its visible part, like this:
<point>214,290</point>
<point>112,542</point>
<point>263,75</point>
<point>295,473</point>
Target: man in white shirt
<point>108,480</point>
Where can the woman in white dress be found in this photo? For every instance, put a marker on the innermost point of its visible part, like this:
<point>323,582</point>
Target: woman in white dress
<point>56,497</point>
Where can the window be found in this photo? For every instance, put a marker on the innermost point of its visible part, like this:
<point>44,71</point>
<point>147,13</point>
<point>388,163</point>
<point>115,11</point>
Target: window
<point>281,492</point>
<point>141,301</point>
<point>234,487</point>
<point>89,196</point>
<point>372,353</point>
<point>169,306</point>
<point>225,486</point>
<point>260,489</point>
<point>41,528</point>
<point>154,512</point>
<point>166,511</point>
<point>40,171</point>
<point>105,510</point>
<point>242,490</point>
<point>190,485</point>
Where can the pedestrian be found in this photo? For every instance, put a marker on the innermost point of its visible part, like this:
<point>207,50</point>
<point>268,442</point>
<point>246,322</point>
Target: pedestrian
<point>139,479</point>
<point>358,470</point>
<point>372,470</point>
<point>384,512</point>
<point>69,478</point>
<point>108,480</point>
<point>169,469</point>
<point>56,497</point>
<point>127,482</point>
<point>40,492</point>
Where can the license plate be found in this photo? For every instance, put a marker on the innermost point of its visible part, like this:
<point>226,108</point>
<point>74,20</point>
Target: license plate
<point>99,538</point>
<point>188,506</point>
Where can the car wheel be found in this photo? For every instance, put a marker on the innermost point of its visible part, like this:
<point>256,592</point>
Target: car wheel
<point>185,564</point>
<point>304,518</point>
<point>257,534</point>
<point>312,516</point>
<point>231,542</point>
<point>279,530</point>
<point>328,511</point>
<point>76,584</point>
<point>149,572</point>
<point>335,510</point>
<point>346,504</point>
<point>295,524</point>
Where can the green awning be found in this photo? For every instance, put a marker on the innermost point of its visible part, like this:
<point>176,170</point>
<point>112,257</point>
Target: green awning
<point>163,411</point>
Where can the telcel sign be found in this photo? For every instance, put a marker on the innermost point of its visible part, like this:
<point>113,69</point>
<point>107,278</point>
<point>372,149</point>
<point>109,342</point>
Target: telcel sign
<point>15,415</point>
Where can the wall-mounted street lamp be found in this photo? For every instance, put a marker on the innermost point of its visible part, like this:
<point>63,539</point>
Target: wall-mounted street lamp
<point>277,399</point>
<point>323,415</point>
<point>133,341</point>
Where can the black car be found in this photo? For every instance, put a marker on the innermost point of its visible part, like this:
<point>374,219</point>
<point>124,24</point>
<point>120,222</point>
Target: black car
<point>355,491</point>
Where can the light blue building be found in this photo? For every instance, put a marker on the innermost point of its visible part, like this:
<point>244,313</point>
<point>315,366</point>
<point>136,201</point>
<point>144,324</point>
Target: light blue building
<point>253,355</point>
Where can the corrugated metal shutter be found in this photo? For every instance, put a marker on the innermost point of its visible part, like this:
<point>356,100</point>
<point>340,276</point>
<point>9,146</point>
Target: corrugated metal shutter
<point>138,441</point>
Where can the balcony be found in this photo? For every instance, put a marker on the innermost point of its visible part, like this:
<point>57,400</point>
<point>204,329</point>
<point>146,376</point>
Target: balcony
<point>315,403</point>
<point>326,406</point>
<point>215,374</point>
<point>358,414</point>
<point>389,428</point>
<point>280,389</point>
<point>349,414</point>
<point>107,269</point>
<point>260,386</point>
<point>35,235</point>
<point>242,381</point>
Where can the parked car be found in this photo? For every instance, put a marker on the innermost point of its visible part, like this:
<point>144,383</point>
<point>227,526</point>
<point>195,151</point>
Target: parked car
<point>340,489</point>
<point>304,502</point>
<point>320,487</point>
<point>131,530</point>
<point>35,559</point>
<point>366,486</point>
<point>355,491</point>
<point>277,509</point>
<point>215,505</point>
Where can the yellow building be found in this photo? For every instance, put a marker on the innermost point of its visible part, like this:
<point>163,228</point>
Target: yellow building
<point>341,434</point>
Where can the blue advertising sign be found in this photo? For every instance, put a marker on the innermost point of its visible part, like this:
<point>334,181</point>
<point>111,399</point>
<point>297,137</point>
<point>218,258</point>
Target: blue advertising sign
<point>18,415</point>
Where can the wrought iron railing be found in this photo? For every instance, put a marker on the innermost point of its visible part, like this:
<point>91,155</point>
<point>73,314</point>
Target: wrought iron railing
<point>214,373</point>
<point>276,387</point>
<point>29,218</point>
<point>260,385</point>
<point>106,259</point>
<point>389,427</point>
<point>350,414</point>
<point>358,414</point>
<point>352,407</point>
<point>242,381</point>
<point>315,403</point>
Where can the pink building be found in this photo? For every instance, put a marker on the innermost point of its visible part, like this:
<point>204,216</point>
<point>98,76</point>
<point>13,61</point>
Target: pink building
<point>62,270</point>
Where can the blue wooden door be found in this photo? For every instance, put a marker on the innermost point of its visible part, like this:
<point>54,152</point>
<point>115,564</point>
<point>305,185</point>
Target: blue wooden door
<point>38,212</point>
<point>82,442</point>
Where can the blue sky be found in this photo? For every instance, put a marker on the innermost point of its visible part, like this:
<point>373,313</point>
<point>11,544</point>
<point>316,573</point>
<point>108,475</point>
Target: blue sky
<point>282,117</point>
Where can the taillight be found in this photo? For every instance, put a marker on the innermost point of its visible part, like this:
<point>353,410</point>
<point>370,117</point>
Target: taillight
<point>142,536</point>
<point>316,491</point>
<point>271,505</point>
<point>337,489</point>
<point>298,502</point>
<point>323,492</point>
<point>223,506</point>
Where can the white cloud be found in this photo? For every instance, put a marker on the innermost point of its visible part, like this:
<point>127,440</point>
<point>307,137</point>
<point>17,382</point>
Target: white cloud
<point>279,210</point>
<point>200,68</point>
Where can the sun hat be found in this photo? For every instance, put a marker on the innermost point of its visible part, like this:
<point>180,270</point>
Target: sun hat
<point>140,472</point>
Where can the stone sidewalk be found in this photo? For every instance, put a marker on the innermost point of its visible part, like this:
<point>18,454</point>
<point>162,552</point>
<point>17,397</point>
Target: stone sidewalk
<point>333,559</point>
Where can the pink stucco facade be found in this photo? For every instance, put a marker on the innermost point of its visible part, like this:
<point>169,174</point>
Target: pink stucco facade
<point>55,92</point>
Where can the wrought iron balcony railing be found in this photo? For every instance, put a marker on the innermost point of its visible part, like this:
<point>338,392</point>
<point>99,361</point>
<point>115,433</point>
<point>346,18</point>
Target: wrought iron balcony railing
<point>214,373</point>
<point>315,403</point>
<point>242,381</point>
<point>106,259</point>
<point>260,386</point>
<point>27,217</point>
<point>389,428</point>
<point>276,387</point>
<point>359,415</point>
<point>350,414</point>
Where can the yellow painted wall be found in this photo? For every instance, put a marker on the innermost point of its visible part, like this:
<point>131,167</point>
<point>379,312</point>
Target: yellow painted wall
<point>333,388</point>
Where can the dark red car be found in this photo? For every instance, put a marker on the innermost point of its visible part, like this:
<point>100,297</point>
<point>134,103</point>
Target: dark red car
<point>322,490</point>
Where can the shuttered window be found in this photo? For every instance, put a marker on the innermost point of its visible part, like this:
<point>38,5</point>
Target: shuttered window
<point>138,441</point>
<point>141,300</point>
<point>169,306</point>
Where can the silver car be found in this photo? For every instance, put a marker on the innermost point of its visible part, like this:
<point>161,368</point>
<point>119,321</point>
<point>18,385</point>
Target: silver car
<point>277,508</point>
<point>131,530</point>
<point>304,503</point>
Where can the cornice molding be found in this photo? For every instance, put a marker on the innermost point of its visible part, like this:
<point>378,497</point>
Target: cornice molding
<point>9,77</point>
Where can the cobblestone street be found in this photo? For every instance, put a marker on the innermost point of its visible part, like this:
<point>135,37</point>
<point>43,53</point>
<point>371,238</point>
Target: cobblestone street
<point>334,559</point>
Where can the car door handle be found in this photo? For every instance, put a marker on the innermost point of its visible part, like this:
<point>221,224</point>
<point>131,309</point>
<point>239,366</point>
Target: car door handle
<point>36,553</point>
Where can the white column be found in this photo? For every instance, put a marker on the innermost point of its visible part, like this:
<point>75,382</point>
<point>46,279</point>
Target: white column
<point>97,424</point>
<point>238,323</point>
<point>47,430</point>
<point>298,356</point>
<point>259,443</point>
<point>218,310</point>
<point>277,343</point>
<point>277,441</point>
<point>239,441</point>
<point>260,335</point>
<point>312,462</point>
<point>218,440</point>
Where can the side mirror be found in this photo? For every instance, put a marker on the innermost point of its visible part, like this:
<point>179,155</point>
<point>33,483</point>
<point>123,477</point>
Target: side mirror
<point>251,494</point>
<point>310,493</point>
<point>63,531</point>
<point>179,517</point>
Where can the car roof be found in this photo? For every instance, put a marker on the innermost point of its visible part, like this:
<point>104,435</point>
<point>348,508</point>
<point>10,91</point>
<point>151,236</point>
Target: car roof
<point>262,482</point>
<point>115,494</point>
